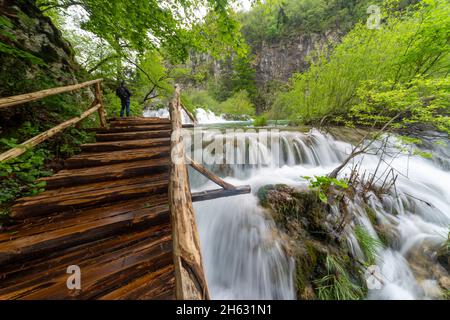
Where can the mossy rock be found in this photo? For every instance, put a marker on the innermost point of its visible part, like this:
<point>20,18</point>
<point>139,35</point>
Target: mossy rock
<point>288,203</point>
<point>443,257</point>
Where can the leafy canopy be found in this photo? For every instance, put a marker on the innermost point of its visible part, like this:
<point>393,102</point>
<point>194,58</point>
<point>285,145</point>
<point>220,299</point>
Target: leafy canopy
<point>176,25</point>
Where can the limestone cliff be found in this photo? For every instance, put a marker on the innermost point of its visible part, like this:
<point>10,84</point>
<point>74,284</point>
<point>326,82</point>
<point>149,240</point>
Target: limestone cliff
<point>33,53</point>
<point>280,59</point>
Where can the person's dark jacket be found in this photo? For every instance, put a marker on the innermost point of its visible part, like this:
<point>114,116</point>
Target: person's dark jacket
<point>123,93</point>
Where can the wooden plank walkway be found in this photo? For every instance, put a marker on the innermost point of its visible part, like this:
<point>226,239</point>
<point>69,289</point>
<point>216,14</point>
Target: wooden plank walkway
<point>106,212</point>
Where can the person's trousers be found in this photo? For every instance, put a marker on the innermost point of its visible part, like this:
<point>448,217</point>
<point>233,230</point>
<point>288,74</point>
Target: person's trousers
<point>125,105</point>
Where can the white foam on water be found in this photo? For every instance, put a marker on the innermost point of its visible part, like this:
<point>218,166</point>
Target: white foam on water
<point>244,257</point>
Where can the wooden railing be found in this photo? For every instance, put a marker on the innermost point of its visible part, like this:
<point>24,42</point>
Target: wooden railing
<point>97,105</point>
<point>190,282</point>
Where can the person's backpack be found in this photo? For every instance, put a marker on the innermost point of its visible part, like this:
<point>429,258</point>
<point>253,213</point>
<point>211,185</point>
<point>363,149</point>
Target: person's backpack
<point>122,93</point>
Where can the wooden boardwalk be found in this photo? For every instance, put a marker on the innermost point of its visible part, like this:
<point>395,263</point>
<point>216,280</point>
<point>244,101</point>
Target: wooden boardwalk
<point>107,213</point>
<point>120,212</point>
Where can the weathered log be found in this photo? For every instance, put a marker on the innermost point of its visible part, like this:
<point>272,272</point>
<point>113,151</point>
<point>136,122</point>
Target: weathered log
<point>211,176</point>
<point>40,225</point>
<point>132,135</point>
<point>23,147</point>
<point>159,284</point>
<point>76,177</point>
<point>112,220</point>
<point>220,193</point>
<point>124,145</point>
<point>102,273</point>
<point>190,115</point>
<point>120,129</point>
<point>99,99</point>
<point>114,157</point>
<point>190,282</point>
<point>77,198</point>
<point>28,97</point>
<point>70,235</point>
<point>126,122</point>
<point>24,273</point>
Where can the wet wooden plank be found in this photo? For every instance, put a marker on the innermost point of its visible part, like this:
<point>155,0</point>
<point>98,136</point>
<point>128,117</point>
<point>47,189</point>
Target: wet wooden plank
<point>159,284</point>
<point>52,201</point>
<point>106,212</point>
<point>23,273</point>
<point>132,121</point>
<point>132,135</point>
<point>25,247</point>
<point>124,145</point>
<point>107,173</point>
<point>101,273</point>
<point>41,225</point>
<point>107,158</point>
<point>121,129</point>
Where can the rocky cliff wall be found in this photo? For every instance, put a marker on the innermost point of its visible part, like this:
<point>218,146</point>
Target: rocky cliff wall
<point>280,59</point>
<point>33,53</point>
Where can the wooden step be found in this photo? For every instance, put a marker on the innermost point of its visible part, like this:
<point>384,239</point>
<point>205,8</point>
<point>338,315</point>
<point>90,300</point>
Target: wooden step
<point>86,226</point>
<point>40,224</point>
<point>119,129</point>
<point>95,194</point>
<point>28,269</point>
<point>125,145</point>
<point>107,158</point>
<point>105,265</point>
<point>102,137</point>
<point>137,121</point>
<point>75,177</point>
<point>155,285</point>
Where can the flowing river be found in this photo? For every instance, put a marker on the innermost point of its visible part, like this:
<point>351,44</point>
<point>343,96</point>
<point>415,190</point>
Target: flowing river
<point>244,257</point>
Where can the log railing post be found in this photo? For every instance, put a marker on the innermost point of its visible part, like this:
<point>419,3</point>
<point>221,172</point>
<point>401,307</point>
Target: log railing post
<point>101,110</point>
<point>190,282</point>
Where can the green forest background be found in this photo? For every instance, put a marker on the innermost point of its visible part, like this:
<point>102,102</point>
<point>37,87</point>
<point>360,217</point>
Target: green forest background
<point>397,74</point>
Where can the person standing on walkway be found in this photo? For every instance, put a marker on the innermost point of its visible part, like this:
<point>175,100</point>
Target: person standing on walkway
<point>124,94</point>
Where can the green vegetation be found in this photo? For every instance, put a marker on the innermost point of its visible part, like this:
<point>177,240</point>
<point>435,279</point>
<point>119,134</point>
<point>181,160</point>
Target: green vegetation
<point>369,245</point>
<point>275,19</point>
<point>323,185</point>
<point>374,75</point>
<point>126,25</point>
<point>142,42</point>
<point>237,106</point>
<point>260,121</point>
<point>337,284</point>
<point>325,268</point>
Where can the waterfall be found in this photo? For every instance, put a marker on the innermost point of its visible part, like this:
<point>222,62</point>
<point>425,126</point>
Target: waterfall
<point>243,252</point>
<point>203,116</point>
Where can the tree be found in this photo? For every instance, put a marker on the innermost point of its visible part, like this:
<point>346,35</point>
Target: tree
<point>175,26</point>
<point>372,75</point>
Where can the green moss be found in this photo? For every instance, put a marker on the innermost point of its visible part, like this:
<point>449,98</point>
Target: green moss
<point>302,215</point>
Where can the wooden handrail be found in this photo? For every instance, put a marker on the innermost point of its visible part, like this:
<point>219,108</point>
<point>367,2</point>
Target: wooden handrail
<point>28,97</point>
<point>97,105</point>
<point>211,176</point>
<point>23,147</point>
<point>190,115</point>
<point>190,282</point>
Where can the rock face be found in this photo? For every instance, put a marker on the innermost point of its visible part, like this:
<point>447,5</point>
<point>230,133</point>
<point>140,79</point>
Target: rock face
<point>33,56</point>
<point>281,59</point>
<point>276,60</point>
<point>31,48</point>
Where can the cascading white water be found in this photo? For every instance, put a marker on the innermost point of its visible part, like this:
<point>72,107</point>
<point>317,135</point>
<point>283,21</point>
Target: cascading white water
<point>203,116</point>
<point>242,251</point>
<point>207,116</point>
